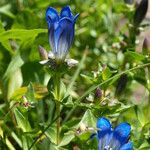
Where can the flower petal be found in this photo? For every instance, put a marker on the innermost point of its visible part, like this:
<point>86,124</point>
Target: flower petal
<point>122,132</point>
<point>76,17</point>
<point>104,139</point>
<point>127,146</point>
<point>105,127</point>
<point>51,38</point>
<point>66,12</point>
<point>51,16</point>
<point>44,62</point>
<point>71,62</point>
<point>103,124</point>
<point>64,35</point>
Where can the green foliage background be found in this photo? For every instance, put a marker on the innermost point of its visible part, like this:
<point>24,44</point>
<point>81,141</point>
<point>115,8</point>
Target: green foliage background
<point>105,46</point>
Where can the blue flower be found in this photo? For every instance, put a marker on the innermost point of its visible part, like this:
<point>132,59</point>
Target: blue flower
<point>113,139</point>
<point>60,30</point>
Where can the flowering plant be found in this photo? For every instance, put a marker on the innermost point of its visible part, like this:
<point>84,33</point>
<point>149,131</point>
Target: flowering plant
<point>53,107</point>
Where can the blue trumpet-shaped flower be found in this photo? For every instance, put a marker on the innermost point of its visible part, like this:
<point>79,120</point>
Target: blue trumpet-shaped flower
<point>113,139</point>
<point>61,30</point>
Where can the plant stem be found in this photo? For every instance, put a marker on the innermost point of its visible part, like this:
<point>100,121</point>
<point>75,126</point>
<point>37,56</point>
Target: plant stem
<point>57,92</point>
<point>58,120</point>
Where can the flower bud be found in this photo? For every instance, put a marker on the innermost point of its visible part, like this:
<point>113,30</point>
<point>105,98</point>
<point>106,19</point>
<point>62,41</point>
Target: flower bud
<point>83,127</point>
<point>98,93</point>
<point>43,53</point>
<point>140,13</point>
<point>146,46</point>
<point>71,62</point>
<point>121,85</point>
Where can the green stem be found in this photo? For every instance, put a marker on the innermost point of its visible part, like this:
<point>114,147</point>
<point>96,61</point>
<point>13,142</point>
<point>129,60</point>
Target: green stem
<point>58,121</point>
<point>57,92</point>
<point>101,84</point>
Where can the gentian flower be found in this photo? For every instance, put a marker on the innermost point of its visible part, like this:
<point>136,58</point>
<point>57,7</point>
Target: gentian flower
<point>60,30</point>
<point>113,139</point>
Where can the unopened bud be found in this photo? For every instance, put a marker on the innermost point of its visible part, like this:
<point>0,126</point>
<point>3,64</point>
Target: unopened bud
<point>90,98</point>
<point>98,93</point>
<point>43,53</point>
<point>71,62</point>
<point>121,85</point>
<point>83,127</point>
<point>25,102</point>
<point>146,46</point>
<point>140,12</point>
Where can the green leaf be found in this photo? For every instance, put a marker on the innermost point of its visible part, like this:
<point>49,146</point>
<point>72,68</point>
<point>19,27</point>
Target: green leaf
<point>88,119</point>
<point>54,147</point>
<point>19,34</point>
<point>9,144</point>
<point>22,121</point>
<point>51,134</point>
<point>85,136</point>
<point>19,58</point>
<point>26,142</point>
<point>13,75</point>
<point>17,95</point>
<point>6,11</point>
<point>88,79</point>
<point>67,138</point>
<point>30,93</point>
<point>15,63</point>
<point>62,89</point>
<point>1,27</point>
<point>106,73</point>
<point>69,102</point>
<point>140,116</point>
<point>134,56</point>
<point>35,92</point>
<point>14,83</point>
<point>16,138</point>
